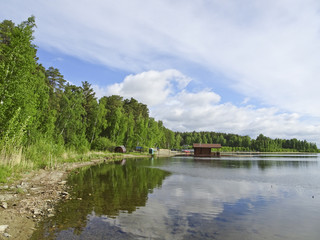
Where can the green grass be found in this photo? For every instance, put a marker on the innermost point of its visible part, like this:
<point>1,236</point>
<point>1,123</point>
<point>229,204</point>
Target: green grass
<point>5,172</point>
<point>138,153</point>
<point>46,155</point>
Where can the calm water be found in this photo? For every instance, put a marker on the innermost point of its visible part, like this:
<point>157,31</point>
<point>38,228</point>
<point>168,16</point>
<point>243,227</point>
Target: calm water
<point>254,197</point>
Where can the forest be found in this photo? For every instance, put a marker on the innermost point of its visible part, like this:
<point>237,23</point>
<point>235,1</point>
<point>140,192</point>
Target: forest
<point>43,116</point>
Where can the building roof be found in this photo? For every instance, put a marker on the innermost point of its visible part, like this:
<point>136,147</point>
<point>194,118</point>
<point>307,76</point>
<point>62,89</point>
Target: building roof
<point>206,145</point>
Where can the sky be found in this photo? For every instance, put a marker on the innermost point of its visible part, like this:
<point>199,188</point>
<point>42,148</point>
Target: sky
<point>245,67</point>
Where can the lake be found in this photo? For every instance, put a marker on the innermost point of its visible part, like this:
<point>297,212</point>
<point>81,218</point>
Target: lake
<point>269,196</point>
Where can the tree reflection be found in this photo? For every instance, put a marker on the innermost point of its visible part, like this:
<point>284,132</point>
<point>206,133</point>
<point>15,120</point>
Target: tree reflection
<point>260,163</point>
<point>105,189</point>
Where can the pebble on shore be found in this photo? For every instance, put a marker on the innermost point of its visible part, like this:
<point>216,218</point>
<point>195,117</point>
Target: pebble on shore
<point>3,228</point>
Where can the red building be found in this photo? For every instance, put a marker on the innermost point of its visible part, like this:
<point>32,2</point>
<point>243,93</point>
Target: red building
<point>204,150</point>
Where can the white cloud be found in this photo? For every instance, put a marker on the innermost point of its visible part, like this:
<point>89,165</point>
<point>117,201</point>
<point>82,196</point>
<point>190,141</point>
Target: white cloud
<point>205,97</point>
<point>245,100</point>
<point>150,87</point>
<point>183,110</point>
<point>99,91</point>
<point>156,220</point>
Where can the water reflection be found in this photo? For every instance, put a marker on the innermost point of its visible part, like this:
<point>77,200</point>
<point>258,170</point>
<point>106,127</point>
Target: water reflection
<point>187,198</point>
<point>105,189</point>
<point>261,163</point>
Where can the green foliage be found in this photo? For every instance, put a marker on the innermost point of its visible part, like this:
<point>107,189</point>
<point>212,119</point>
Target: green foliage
<point>129,124</point>
<point>5,172</point>
<point>20,85</point>
<point>11,143</point>
<point>93,116</point>
<point>234,142</point>
<point>43,153</point>
<point>70,121</point>
<point>102,144</point>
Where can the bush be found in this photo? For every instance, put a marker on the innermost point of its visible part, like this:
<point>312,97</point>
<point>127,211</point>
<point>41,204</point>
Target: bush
<point>43,153</point>
<point>102,144</point>
<point>11,142</point>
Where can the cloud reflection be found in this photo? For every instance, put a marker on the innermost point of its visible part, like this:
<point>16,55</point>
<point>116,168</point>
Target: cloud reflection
<point>184,200</point>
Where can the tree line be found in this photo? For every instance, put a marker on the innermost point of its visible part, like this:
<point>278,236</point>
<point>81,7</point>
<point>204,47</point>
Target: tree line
<point>42,115</point>
<point>234,142</point>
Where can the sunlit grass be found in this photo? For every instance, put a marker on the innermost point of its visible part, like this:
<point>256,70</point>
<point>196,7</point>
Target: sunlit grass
<point>5,172</point>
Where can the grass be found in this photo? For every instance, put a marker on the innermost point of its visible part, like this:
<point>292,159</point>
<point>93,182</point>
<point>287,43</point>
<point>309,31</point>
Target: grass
<point>5,172</point>
<point>44,154</point>
<point>33,160</point>
<point>138,153</point>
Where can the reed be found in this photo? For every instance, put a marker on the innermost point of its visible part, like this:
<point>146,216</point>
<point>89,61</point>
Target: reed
<point>11,144</point>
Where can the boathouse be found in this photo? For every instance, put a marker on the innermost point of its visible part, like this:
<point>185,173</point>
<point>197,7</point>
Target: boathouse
<point>204,150</point>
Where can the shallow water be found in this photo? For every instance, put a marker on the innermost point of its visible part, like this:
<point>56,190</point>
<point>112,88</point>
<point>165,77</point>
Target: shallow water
<point>249,197</point>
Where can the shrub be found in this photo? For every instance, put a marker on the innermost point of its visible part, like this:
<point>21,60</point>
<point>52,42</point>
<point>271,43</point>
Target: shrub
<point>102,144</point>
<point>11,143</point>
<point>43,153</point>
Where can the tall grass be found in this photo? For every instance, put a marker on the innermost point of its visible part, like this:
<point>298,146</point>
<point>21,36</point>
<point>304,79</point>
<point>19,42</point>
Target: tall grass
<point>43,154</point>
<point>5,172</point>
<point>11,143</point>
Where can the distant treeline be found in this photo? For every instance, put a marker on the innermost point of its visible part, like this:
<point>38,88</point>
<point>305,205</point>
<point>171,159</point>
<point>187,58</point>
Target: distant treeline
<point>42,115</point>
<point>234,142</point>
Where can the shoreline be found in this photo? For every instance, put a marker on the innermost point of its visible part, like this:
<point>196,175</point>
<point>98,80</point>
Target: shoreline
<point>33,197</point>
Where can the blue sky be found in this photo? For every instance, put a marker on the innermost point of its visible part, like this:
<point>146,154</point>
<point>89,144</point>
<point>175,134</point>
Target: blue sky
<point>245,67</point>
